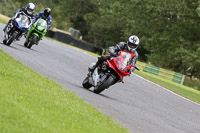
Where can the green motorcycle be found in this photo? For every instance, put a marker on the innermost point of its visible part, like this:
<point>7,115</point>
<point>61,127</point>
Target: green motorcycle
<point>36,33</point>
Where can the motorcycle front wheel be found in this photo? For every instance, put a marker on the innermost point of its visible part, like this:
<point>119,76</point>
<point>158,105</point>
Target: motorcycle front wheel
<point>104,85</point>
<point>32,41</point>
<point>11,39</point>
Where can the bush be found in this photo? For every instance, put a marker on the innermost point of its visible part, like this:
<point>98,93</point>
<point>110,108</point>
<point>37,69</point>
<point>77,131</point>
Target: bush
<point>192,82</point>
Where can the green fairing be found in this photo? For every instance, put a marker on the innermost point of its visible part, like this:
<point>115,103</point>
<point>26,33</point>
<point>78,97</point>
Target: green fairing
<point>40,28</point>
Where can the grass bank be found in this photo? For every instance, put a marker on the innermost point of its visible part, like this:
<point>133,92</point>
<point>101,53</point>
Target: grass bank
<point>30,103</point>
<point>4,19</point>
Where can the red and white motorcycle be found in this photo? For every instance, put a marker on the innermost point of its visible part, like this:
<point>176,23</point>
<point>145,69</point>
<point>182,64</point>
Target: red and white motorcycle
<point>109,72</point>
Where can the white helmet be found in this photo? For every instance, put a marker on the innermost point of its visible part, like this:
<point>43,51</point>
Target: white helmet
<point>133,42</point>
<point>30,8</point>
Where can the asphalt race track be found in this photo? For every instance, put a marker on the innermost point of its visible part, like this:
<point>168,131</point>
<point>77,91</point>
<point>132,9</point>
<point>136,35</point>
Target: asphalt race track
<point>138,105</point>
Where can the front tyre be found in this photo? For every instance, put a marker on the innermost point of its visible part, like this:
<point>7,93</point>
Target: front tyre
<point>32,41</point>
<point>30,44</point>
<point>104,85</point>
<point>11,39</point>
<point>86,83</point>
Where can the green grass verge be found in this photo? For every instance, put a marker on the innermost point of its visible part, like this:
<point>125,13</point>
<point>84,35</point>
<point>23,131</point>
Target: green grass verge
<point>30,103</point>
<point>182,90</point>
<point>3,21</point>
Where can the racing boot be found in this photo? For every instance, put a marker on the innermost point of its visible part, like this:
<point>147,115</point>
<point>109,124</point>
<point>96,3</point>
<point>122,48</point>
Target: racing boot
<point>4,29</point>
<point>92,67</point>
<point>100,60</point>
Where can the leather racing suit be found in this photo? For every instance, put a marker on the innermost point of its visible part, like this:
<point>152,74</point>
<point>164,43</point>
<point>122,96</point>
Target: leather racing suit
<point>113,50</point>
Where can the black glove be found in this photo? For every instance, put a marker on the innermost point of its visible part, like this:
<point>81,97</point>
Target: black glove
<point>131,70</point>
<point>114,54</point>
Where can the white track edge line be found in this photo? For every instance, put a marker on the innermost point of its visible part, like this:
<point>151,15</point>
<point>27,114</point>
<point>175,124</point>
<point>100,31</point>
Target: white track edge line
<point>167,90</point>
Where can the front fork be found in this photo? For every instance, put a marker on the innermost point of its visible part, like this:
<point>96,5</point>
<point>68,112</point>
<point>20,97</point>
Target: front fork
<point>9,29</point>
<point>30,32</point>
<point>97,78</point>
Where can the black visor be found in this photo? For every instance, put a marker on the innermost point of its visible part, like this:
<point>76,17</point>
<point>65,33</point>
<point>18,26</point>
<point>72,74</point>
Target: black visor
<point>46,14</point>
<point>132,45</point>
<point>30,10</point>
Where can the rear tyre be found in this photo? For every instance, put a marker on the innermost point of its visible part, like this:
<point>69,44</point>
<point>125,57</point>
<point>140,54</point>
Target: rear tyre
<point>4,41</point>
<point>26,44</point>
<point>86,83</point>
<point>104,85</point>
<point>11,39</point>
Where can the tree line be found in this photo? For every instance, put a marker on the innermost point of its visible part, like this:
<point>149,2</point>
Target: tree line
<point>169,31</point>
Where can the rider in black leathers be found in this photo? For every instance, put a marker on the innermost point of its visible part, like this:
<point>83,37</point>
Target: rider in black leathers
<point>130,46</point>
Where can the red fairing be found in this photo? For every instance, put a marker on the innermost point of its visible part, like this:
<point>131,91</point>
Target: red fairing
<point>121,64</point>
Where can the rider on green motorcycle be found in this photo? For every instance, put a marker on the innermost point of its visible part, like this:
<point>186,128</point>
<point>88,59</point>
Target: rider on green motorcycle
<point>44,15</point>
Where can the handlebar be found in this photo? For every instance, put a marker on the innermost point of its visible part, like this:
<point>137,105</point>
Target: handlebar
<point>137,68</point>
<point>21,12</point>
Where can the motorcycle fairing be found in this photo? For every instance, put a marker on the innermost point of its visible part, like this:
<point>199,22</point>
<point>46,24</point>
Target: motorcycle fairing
<point>121,64</point>
<point>97,78</point>
<point>22,22</point>
<point>41,25</point>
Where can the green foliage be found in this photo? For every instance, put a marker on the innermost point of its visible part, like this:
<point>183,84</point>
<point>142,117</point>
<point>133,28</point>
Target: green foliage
<point>8,7</point>
<point>170,34</point>
<point>194,83</point>
<point>3,21</point>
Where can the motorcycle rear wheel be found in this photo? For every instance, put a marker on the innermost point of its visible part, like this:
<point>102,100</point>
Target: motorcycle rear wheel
<point>104,85</point>
<point>4,41</point>
<point>86,83</point>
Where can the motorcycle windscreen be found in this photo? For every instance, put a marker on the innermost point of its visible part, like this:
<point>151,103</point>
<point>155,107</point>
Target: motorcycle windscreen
<point>41,25</point>
<point>23,21</point>
<point>124,61</point>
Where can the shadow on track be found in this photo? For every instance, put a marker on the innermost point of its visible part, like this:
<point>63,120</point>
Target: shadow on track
<point>10,46</point>
<point>26,47</point>
<point>108,97</point>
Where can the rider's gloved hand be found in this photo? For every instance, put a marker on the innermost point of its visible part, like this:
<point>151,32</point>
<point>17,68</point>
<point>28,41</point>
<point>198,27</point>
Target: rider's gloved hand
<point>113,54</point>
<point>131,70</point>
